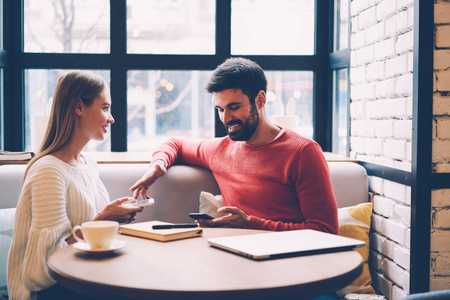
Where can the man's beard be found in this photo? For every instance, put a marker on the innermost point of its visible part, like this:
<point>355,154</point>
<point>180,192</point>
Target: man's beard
<point>248,127</point>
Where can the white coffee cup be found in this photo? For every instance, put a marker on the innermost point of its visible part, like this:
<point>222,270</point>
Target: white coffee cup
<point>98,234</point>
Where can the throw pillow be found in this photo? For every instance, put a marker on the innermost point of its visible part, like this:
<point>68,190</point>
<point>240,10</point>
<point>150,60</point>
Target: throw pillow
<point>354,222</point>
<point>6,231</point>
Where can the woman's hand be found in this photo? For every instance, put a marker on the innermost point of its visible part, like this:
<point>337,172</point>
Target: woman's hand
<point>118,212</point>
<point>115,211</point>
<point>141,186</point>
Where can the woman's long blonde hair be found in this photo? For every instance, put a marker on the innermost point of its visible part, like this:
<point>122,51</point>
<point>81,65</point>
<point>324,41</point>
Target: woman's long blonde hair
<point>71,87</point>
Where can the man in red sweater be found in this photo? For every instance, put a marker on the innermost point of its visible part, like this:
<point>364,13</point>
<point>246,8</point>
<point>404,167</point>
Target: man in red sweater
<point>270,177</point>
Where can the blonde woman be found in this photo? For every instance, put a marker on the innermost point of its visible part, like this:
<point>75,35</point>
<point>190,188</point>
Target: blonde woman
<point>61,187</point>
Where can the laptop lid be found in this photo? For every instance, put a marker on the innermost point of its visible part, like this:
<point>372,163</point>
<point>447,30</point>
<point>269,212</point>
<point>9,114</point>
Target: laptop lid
<point>284,244</point>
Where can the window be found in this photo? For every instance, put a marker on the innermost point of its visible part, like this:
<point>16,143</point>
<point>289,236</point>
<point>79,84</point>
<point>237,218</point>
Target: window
<point>171,27</point>
<point>340,62</point>
<point>39,88</point>
<point>77,26</point>
<point>341,24</point>
<point>340,109</point>
<point>290,100</point>
<point>272,27</point>
<point>158,55</point>
<point>163,104</point>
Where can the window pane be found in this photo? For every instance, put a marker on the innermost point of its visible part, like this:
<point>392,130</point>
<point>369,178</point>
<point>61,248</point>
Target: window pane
<point>171,26</point>
<point>290,100</point>
<point>164,104</point>
<point>340,112</point>
<point>341,27</point>
<point>76,26</point>
<point>272,27</point>
<point>39,89</point>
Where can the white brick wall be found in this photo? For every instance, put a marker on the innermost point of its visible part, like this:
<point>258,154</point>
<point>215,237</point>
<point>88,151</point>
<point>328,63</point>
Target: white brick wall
<point>390,237</point>
<point>381,128</point>
<point>381,132</point>
<point>405,42</point>
<point>385,48</point>
<point>397,65</point>
<point>381,78</point>
<point>398,293</point>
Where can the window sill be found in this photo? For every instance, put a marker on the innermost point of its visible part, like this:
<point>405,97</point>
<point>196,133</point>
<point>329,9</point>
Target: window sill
<point>121,157</point>
<point>144,158</point>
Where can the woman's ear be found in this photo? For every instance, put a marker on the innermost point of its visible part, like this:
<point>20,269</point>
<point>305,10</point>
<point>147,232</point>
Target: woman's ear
<point>79,109</point>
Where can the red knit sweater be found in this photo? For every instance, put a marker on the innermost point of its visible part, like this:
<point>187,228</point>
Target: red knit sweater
<point>282,185</point>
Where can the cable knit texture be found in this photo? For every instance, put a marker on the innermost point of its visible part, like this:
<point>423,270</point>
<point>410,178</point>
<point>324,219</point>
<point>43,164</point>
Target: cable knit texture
<point>283,185</point>
<point>55,197</point>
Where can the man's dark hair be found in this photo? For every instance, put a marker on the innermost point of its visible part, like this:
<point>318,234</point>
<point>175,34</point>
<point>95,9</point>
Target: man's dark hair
<point>238,73</point>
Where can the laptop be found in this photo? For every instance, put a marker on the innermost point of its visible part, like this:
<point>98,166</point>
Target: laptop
<point>280,244</point>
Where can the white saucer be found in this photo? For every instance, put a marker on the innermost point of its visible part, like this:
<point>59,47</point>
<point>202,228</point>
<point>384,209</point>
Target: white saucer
<point>116,245</point>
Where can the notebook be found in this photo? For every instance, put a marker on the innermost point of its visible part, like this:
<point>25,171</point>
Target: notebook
<point>284,244</point>
<point>145,230</point>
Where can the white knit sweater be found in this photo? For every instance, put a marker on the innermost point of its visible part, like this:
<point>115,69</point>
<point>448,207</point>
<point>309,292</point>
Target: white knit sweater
<point>55,197</point>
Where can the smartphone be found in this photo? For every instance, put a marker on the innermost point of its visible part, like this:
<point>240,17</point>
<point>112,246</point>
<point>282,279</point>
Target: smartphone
<point>197,216</point>
<point>141,203</point>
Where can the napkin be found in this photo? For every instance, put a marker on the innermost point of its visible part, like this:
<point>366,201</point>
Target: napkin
<point>209,204</point>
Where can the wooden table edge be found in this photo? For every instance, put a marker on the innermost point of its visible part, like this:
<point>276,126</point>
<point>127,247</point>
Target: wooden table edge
<point>115,292</point>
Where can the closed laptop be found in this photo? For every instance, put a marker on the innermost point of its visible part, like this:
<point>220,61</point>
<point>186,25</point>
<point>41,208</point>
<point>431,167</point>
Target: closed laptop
<point>269,245</point>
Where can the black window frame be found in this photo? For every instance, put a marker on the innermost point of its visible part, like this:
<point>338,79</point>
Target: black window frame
<point>118,62</point>
<point>339,60</point>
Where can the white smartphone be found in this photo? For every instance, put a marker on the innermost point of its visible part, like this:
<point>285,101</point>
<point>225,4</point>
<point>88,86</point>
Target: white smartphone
<point>141,203</point>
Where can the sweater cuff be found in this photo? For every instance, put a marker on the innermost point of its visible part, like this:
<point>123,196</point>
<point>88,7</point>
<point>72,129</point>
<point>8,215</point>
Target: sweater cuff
<point>255,222</point>
<point>160,157</point>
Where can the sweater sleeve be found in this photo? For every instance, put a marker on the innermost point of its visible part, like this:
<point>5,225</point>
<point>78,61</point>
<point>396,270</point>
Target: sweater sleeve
<point>315,195</point>
<point>182,151</point>
<point>50,226</point>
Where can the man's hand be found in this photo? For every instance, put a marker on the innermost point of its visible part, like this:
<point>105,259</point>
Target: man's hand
<point>234,218</point>
<point>141,186</point>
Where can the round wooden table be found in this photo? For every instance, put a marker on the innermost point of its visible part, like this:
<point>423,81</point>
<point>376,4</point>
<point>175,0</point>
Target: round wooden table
<point>191,269</point>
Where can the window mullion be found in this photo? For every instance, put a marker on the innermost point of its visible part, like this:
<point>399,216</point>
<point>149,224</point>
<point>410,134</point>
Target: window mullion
<point>119,74</point>
<point>223,30</point>
<point>223,48</point>
<point>14,116</point>
<point>322,122</point>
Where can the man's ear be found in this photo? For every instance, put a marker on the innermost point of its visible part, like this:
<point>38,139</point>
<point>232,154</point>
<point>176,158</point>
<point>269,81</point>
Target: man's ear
<point>260,99</point>
<point>79,108</point>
